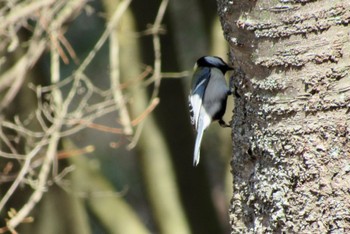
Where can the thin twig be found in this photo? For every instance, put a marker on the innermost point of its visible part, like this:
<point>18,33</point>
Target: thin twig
<point>42,179</point>
<point>6,141</point>
<point>19,71</point>
<point>156,47</point>
<point>20,129</point>
<point>56,93</point>
<point>175,74</point>
<point>157,64</point>
<point>100,127</point>
<point>144,114</point>
<point>55,72</point>
<point>115,79</point>
<point>75,152</point>
<point>113,21</point>
<point>22,173</point>
<point>23,11</point>
<point>12,155</point>
<point>148,70</point>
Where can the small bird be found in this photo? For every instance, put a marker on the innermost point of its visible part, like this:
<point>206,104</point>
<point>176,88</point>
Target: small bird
<point>208,97</point>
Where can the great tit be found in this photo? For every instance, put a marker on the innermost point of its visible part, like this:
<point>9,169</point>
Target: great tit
<point>208,97</point>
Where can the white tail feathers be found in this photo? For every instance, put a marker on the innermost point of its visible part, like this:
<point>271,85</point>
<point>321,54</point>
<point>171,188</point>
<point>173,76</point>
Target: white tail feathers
<point>204,120</point>
<point>197,146</point>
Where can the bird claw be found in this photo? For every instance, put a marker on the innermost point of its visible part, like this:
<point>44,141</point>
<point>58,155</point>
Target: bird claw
<point>224,124</point>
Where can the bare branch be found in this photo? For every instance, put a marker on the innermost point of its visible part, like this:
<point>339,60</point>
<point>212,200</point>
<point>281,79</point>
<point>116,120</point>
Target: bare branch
<point>149,109</point>
<point>42,178</point>
<point>61,114</point>
<point>156,44</point>
<point>115,73</point>
<point>113,21</point>
<point>115,81</point>
<point>156,28</point>
<point>20,11</point>
<point>22,172</point>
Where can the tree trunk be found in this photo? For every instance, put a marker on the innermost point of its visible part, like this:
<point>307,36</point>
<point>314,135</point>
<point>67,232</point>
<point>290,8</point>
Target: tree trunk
<point>291,147</point>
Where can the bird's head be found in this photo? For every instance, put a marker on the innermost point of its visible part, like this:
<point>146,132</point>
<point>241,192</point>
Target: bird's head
<point>213,61</point>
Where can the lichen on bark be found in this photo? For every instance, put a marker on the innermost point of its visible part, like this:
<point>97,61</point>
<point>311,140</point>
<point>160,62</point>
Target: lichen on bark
<point>291,134</point>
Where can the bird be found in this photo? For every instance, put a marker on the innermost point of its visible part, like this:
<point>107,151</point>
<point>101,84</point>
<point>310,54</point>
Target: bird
<point>208,96</point>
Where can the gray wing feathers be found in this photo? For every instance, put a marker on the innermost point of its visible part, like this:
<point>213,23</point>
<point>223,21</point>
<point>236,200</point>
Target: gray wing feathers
<point>199,85</point>
<point>216,91</point>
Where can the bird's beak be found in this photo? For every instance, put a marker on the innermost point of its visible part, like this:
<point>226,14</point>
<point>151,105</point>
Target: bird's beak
<point>229,68</point>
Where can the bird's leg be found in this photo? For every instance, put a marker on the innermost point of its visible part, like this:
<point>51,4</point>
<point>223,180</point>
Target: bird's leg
<point>224,124</point>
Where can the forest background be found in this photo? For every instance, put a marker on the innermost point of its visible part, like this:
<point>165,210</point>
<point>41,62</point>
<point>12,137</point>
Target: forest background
<point>94,127</point>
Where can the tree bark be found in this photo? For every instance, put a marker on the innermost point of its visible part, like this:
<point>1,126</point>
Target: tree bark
<point>291,147</point>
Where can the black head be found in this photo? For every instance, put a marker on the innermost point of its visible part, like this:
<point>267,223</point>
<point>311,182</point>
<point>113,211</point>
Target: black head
<point>213,61</point>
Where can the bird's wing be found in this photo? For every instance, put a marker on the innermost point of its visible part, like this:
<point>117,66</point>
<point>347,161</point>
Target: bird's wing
<point>199,84</point>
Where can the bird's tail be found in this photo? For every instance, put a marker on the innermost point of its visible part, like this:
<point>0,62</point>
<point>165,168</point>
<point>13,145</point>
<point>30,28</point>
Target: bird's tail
<point>197,146</point>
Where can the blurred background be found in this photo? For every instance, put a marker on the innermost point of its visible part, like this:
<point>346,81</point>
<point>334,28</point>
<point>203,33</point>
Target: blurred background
<point>95,134</point>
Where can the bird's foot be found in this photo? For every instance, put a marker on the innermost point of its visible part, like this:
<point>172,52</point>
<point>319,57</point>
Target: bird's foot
<point>224,124</point>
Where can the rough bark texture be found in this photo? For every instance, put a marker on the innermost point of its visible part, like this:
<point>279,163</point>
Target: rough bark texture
<point>291,147</point>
